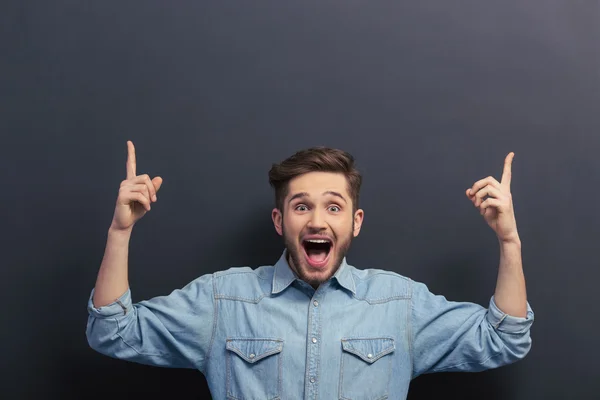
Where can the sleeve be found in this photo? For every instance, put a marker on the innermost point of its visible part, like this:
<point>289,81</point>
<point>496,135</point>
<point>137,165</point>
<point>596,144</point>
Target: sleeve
<point>169,331</point>
<point>463,336</point>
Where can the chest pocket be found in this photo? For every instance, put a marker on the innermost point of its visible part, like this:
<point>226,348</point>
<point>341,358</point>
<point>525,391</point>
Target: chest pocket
<point>253,368</point>
<point>366,368</point>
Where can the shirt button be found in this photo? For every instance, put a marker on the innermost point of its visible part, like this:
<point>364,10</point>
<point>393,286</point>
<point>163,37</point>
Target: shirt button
<point>252,356</point>
<point>369,355</point>
<point>312,380</point>
<point>316,303</point>
<point>314,340</point>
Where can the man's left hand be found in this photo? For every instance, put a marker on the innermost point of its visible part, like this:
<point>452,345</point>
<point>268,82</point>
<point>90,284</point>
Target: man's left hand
<point>497,208</point>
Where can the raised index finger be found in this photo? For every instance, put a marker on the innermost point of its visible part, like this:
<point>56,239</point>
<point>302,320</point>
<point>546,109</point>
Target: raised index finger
<point>130,160</point>
<point>507,174</point>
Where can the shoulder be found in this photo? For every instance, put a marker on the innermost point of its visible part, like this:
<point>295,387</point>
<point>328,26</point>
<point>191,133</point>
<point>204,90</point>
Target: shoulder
<point>243,283</point>
<point>379,285</point>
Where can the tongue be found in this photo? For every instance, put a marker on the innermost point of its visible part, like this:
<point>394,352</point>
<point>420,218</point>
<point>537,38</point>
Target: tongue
<point>317,255</point>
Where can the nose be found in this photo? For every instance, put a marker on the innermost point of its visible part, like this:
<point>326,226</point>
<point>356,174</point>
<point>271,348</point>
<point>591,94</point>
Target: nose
<point>317,221</point>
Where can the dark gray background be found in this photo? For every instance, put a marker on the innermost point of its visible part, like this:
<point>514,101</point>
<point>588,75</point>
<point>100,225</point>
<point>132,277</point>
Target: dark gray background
<point>429,96</point>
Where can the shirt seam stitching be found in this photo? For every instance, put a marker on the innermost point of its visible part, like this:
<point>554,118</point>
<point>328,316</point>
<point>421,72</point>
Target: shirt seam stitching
<point>215,319</point>
<point>383,299</point>
<point>225,297</point>
<point>225,274</point>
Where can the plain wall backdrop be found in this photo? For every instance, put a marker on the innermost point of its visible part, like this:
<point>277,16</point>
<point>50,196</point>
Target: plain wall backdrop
<point>429,96</point>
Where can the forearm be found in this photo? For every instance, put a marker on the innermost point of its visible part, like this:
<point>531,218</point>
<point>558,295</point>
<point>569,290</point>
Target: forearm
<point>511,294</point>
<point>112,280</point>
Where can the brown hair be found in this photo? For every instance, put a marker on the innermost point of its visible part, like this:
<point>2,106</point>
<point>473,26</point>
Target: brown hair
<point>313,159</point>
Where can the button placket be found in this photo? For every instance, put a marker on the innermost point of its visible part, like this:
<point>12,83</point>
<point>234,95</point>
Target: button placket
<point>313,350</point>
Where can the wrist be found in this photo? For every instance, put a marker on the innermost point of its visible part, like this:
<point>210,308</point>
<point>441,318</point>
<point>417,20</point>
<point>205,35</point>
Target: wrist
<point>119,233</point>
<point>511,246</point>
<point>512,242</point>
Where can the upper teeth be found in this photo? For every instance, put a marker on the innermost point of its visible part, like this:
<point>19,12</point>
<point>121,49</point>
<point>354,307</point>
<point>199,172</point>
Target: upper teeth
<point>318,241</point>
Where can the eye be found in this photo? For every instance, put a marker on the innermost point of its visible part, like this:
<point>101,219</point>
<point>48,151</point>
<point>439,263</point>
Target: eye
<point>301,207</point>
<point>335,209</point>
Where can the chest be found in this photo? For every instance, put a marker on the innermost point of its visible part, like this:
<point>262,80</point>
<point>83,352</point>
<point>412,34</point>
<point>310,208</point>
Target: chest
<point>325,343</point>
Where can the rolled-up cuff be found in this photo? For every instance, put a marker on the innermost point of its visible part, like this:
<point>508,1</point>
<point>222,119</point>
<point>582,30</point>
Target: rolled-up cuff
<point>120,307</point>
<point>508,323</point>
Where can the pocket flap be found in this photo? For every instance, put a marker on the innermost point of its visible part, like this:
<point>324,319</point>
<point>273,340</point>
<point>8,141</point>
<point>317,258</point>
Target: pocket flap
<point>253,350</point>
<point>369,349</point>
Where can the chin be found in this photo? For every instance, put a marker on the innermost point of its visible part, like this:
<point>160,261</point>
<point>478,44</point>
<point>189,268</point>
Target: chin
<point>312,275</point>
<point>311,272</point>
<point>327,254</point>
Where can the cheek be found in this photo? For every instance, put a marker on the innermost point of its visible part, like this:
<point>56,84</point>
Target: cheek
<point>292,226</point>
<point>343,228</point>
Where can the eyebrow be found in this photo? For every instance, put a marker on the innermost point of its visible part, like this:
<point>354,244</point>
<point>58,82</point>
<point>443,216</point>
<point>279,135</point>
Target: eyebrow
<point>305,194</point>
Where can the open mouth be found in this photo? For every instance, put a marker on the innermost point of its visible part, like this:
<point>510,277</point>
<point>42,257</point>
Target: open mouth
<point>317,251</point>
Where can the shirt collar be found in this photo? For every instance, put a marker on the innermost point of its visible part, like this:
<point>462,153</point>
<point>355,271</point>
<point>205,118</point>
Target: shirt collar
<point>344,277</point>
<point>283,275</point>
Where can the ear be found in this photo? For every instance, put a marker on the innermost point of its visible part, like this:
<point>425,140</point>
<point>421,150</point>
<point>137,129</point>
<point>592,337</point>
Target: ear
<point>358,219</point>
<point>277,218</point>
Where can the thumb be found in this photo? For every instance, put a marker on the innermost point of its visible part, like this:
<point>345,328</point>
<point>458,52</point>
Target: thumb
<point>157,182</point>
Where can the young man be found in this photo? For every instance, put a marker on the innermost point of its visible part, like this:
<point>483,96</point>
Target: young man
<point>311,326</point>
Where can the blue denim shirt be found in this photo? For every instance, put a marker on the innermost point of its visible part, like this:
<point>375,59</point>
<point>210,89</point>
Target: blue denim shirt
<point>264,334</point>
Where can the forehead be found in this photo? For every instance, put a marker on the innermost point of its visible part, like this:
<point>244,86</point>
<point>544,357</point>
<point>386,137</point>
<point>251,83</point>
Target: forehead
<point>316,183</point>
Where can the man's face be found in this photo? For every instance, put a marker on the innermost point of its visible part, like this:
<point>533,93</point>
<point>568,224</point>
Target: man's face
<point>317,224</point>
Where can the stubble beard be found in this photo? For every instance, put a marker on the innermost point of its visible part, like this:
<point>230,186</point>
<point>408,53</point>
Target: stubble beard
<point>298,263</point>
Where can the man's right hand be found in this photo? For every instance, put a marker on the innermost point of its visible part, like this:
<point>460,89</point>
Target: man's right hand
<point>135,195</point>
